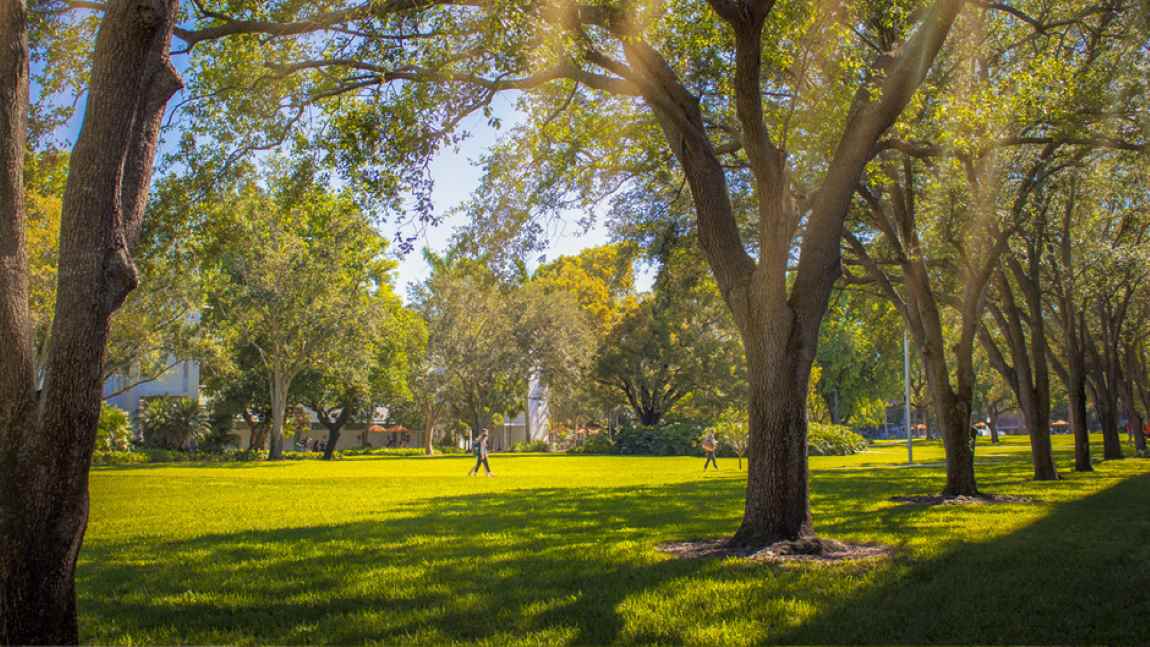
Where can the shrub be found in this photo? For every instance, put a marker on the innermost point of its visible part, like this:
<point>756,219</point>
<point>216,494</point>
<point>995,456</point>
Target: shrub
<point>173,423</point>
<point>531,446</point>
<point>220,422</point>
<point>600,443</point>
<point>399,451</point>
<point>833,440</point>
<point>672,438</point>
<point>384,451</point>
<point>114,431</point>
<point>114,457</point>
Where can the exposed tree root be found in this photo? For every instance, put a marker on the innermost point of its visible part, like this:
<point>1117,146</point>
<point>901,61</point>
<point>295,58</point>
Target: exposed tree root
<point>981,499</point>
<point>809,549</point>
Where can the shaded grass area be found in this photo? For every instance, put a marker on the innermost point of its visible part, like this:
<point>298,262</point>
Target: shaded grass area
<point>561,550</point>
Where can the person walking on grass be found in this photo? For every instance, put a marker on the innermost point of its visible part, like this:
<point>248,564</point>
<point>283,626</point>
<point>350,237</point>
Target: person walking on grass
<point>480,449</point>
<point>710,445</point>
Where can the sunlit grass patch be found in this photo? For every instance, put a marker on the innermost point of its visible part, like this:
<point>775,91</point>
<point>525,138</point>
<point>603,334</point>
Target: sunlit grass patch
<point>562,549</point>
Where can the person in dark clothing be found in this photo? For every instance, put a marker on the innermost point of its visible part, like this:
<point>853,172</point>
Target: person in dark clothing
<point>710,445</point>
<point>480,449</point>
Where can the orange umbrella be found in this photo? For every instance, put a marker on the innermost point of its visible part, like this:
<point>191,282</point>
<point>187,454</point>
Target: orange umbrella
<point>1060,423</point>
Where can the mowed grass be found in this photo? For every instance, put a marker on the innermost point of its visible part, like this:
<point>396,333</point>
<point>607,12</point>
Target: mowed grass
<point>562,549</point>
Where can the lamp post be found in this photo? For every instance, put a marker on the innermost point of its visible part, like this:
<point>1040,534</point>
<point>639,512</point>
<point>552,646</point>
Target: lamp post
<point>906,395</point>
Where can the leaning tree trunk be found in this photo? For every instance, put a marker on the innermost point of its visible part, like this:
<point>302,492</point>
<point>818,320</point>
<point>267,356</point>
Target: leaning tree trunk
<point>45,499</point>
<point>952,408</point>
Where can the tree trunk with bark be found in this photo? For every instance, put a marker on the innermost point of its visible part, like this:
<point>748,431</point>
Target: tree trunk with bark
<point>333,424</point>
<point>1027,371</point>
<point>429,432</point>
<point>1130,404</point>
<point>44,502</point>
<point>1103,381</point>
<point>1106,408</point>
<point>778,318</point>
<point>20,622</point>
<point>1072,324</point>
<point>953,410</point>
<point>280,381</point>
<point>992,413</point>
<point>777,503</point>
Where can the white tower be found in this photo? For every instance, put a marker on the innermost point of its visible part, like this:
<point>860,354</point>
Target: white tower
<point>537,414</point>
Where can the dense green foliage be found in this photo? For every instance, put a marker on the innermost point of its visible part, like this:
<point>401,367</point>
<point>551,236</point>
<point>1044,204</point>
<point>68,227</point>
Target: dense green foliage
<point>534,446</point>
<point>151,455</point>
<point>561,550</point>
<point>833,440</point>
<point>173,422</point>
<point>669,438</point>
<point>114,431</point>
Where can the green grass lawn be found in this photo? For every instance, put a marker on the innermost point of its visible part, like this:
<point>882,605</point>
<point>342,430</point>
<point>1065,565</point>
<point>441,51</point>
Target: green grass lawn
<point>561,549</point>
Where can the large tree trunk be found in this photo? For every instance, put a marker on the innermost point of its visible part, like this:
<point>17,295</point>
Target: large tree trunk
<point>952,407</point>
<point>20,622</point>
<point>953,413</point>
<point>45,497</point>
<point>280,383</point>
<point>777,503</point>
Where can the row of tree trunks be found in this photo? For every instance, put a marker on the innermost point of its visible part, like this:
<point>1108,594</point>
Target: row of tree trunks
<point>1027,372</point>
<point>893,213</point>
<point>1104,376</point>
<point>47,449</point>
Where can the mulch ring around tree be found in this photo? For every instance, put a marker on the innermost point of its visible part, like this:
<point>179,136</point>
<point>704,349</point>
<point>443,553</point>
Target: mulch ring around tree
<point>813,549</point>
<point>981,499</point>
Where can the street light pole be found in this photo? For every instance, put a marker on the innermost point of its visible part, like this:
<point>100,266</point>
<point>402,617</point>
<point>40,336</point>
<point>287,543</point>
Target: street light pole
<point>906,394</point>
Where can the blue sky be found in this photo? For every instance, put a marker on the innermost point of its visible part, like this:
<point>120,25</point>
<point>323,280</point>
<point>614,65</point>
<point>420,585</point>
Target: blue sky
<point>457,174</point>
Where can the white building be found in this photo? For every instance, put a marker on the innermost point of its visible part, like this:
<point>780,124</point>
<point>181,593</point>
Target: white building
<point>182,379</point>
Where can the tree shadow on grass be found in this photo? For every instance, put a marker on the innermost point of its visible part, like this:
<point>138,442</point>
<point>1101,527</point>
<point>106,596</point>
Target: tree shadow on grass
<point>567,565</point>
<point>499,566</point>
<point>1078,575</point>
